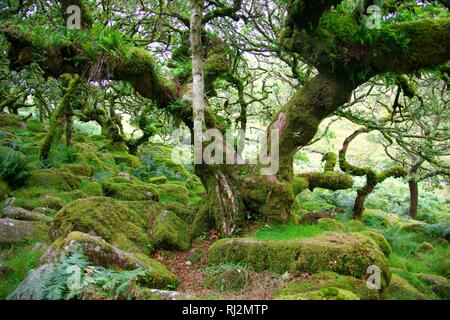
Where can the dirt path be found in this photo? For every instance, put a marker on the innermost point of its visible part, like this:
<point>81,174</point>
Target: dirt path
<point>192,275</point>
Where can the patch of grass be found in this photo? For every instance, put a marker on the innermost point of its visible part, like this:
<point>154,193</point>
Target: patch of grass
<point>405,255</point>
<point>286,232</point>
<point>21,260</point>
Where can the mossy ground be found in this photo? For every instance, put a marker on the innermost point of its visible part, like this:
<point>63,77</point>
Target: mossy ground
<point>97,188</point>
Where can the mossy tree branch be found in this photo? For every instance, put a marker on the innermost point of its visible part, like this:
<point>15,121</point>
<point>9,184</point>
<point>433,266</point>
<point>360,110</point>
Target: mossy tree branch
<point>329,179</point>
<point>372,177</point>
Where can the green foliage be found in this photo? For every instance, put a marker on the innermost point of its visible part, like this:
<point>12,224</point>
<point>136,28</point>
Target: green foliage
<point>155,167</point>
<point>405,254</point>
<point>19,259</point>
<point>73,277</point>
<point>13,166</point>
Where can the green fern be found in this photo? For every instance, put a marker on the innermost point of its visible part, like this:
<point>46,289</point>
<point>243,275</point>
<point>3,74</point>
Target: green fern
<point>73,277</point>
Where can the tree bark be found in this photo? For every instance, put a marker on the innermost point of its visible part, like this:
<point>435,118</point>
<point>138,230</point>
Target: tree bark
<point>198,81</point>
<point>413,198</point>
<point>358,207</point>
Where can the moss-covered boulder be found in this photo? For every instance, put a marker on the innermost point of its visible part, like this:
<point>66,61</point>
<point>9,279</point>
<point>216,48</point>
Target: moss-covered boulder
<point>323,294</point>
<point>126,159</point>
<point>12,231</point>
<point>56,179</point>
<point>129,190</point>
<point>79,169</point>
<point>122,224</point>
<point>331,224</point>
<point>345,254</point>
<point>425,247</point>
<point>12,212</point>
<point>36,197</point>
<point>170,232</point>
<point>173,192</point>
<point>99,161</point>
<point>376,217</point>
<point>182,211</point>
<point>411,225</point>
<point>100,253</point>
<point>400,289</point>
<point>439,285</point>
<point>158,180</point>
<point>380,240</point>
<point>324,280</point>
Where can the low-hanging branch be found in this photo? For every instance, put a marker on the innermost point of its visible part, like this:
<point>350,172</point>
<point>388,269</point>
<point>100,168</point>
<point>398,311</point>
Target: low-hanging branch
<point>329,179</point>
<point>372,177</point>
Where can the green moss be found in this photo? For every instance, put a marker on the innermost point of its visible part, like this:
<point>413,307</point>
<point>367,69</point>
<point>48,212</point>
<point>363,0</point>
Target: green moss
<point>158,180</point>
<point>439,285</point>
<point>330,160</point>
<point>425,247</point>
<point>35,126</point>
<point>36,197</point>
<point>299,185</point>
<point>100,253</point>
<point>121,223</point>
<point>53,179</point>
<point>79,169</point>
<point>11,121</point>
<point>126,159</point>
<point>375,217</point>
<point>313,206</point>
<point>124,189</point>
<point>411,225</point>
<point>400,289</point>
<point>202,221</point>
<point>380,240</point>
<point>104,162</point>
<point>172,192</point>
<point>355,225</point>
<point>331,224</point>
<point>182,211</point>
<point>338,252</point>
<point>170,232</point>
<point>323,294</point>
<point>324,280</point>
<point>91,189</point>
<point>327,180</point>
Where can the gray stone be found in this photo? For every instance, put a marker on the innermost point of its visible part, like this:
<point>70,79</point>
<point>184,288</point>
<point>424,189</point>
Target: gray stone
<point>12,231</point>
